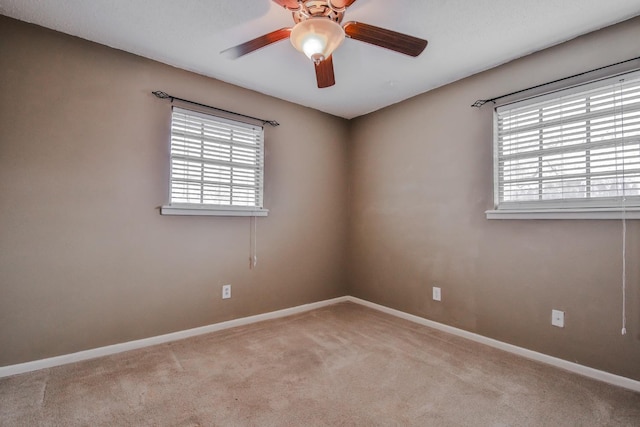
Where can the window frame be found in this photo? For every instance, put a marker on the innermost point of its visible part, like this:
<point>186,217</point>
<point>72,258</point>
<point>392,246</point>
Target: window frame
<point>562,208</point>
<point>214,209</point>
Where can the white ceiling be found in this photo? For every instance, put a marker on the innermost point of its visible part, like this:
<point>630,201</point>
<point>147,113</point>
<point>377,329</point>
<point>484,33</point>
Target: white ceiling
<point>465,37</point>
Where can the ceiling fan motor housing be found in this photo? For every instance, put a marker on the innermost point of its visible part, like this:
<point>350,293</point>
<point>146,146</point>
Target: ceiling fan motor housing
<point>318,9</point>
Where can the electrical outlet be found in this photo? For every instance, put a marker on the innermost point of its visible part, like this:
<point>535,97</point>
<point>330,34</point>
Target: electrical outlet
<point>437,294</point>
<point>226,291</point>
<point>557,318</point>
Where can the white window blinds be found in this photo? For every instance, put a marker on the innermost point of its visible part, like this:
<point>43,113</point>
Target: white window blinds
<point>574,148</point>
<point>215,162</point>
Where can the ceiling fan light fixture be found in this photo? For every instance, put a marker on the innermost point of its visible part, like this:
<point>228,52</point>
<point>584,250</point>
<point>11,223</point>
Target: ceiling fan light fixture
<point>317,38</point>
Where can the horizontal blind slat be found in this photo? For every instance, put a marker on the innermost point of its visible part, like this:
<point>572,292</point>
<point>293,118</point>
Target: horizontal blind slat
<point>215,161</point>
<point>565,121</point>
<point>576,147</point>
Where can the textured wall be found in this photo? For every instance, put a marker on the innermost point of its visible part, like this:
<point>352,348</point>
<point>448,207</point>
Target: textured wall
<point>421,179</point>
<point>87,261</point>
<point>85,258</point>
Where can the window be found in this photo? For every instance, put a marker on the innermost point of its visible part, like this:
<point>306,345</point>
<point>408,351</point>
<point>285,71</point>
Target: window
<point>575,150</point>
<point>216,166</point>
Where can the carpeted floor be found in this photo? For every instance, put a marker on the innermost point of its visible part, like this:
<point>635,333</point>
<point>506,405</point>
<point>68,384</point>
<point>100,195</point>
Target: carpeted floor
<point>343,365</point>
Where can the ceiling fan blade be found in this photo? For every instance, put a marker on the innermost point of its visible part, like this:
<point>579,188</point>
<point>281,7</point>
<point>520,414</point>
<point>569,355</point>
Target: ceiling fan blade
<point>324,73</point>
<point>257,43</point>
<point>289,4</point>
<point>387,39</point>
<point>339,4</point>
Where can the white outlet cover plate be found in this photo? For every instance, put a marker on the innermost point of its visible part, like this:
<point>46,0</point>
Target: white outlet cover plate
<point>437,295</point>
<point>557,318</point>
<point>226,291</point>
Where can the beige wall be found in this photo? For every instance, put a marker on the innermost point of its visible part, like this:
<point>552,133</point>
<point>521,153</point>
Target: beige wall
<point>87,261</point>
<point>421,179</point>
<point>85,258</point>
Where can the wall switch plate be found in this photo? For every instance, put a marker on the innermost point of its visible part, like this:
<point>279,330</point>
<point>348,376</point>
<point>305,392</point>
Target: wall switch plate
<point>437,294</point>
<point>226,291</point>
<point>557,318</point>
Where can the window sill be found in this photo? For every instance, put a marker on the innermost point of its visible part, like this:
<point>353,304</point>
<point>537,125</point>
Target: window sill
<point>181,210</point>
<point>589,213</point>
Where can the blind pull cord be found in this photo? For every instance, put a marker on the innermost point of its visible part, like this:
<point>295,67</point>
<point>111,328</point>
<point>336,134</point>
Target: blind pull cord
<point>623,331</point>
<point>253,243</point>
<point>624,266</point>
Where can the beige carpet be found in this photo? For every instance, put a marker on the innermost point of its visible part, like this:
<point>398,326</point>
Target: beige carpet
<point>343,365</point>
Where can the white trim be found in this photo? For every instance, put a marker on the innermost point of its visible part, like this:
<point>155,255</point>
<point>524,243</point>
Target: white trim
<point>589,213</point>
<point>586,371</point>
<point>64,359</point>
<point>176,210</point>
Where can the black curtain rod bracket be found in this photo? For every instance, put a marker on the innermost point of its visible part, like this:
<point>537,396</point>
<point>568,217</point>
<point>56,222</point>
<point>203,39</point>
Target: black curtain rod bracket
<point>164,95</point>
<point>480,102</point>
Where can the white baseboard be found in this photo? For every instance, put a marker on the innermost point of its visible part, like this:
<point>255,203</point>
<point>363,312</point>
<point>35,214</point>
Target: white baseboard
<point>64,359</point>
<point>586,371</point>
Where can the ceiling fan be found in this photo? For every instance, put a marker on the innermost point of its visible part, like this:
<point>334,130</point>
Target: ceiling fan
<point>317,33</point>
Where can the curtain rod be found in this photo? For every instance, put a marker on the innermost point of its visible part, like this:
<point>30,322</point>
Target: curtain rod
<point>164,95</point>
<point>480,102</point>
